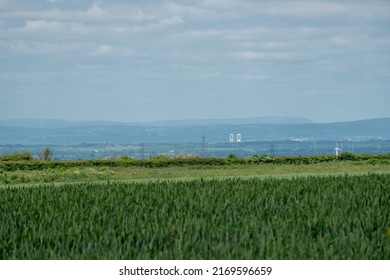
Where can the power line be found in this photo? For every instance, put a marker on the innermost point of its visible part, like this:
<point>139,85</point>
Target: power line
<point>203,154</point>
<point>142,151</point>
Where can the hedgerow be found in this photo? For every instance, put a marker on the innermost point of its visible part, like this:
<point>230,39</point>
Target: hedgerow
<point>14,165</point>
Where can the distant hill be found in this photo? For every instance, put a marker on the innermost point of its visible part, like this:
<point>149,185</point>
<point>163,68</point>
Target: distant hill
<point>53,123</point>
<point>239,121</point>
<point>58,123</point>
<point>60,132</point>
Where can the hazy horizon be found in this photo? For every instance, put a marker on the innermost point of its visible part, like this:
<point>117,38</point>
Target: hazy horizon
<point>263,119</point>
<point>148,61</point>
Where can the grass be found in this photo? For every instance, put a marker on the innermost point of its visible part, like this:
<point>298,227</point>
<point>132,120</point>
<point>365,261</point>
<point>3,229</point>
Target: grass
<point>328,210</point>
<point>88,174</point>
<point>315,217</point>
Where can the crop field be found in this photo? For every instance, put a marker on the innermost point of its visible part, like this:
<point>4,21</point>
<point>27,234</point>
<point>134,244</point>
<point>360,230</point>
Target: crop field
<point>35,172</point>
<point>302,217</point>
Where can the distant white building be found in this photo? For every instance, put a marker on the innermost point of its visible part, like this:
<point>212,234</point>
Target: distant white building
<point>238,138</point>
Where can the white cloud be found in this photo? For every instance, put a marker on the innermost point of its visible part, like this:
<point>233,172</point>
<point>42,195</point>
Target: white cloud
<point>200,34</point>
<point>250,33</point>
<point>304,8</point>
<point>95,11</point>
<point>374,10</point>
<point>194,12</point>
<point>102,50</point>
<point>36,48</point>
<point>206,45</point>
<point>226,34</point>
<point>267,56</point>
<point>313,9</point>
<point>340,40</point>
<point>232,9</point>
<point>149,27</point>
<point>384,41</point>
<point>4,3</point>
<point>43,25</point>
<point>56,28</point>
<point>96,19</point>
<point>171,21</point>
<point>225,4</point>
<point>274,44</point>
<point>66,48</point>
<point>203,10</point>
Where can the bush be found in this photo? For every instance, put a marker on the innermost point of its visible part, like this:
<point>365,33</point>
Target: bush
<point>126,158</point>
<point>348,156</point>
<point>17,156</point>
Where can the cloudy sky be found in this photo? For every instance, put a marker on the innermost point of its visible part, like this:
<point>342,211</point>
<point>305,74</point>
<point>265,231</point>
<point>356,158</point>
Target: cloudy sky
<point>165,60</point>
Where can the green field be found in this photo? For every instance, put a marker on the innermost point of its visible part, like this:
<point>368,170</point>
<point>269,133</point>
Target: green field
<point>234,210</point>
<point>316,217</point>
<point>131,173</point>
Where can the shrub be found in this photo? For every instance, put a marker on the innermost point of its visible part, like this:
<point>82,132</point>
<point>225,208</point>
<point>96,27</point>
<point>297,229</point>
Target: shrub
<point>17,156</point>
<point>348,156</point>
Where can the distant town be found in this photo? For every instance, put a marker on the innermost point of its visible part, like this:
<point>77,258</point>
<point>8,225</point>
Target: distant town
<point>204,138</point>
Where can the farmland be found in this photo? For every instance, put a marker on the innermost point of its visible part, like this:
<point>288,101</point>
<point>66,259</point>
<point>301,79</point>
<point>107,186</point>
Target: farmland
<point>104,173</point>
<point>258,208</point>
<point>18,171</point>
<point>315,217</point>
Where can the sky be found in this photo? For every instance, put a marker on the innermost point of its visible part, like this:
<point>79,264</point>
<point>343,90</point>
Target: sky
<point>136,61</point>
